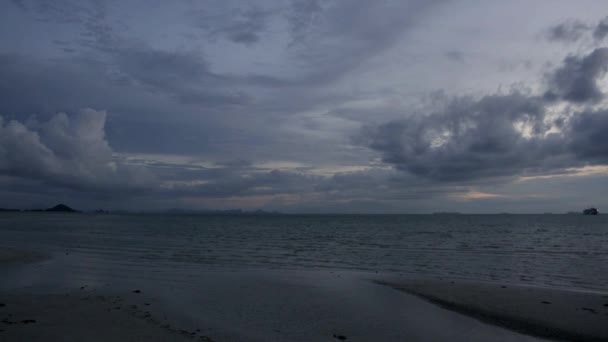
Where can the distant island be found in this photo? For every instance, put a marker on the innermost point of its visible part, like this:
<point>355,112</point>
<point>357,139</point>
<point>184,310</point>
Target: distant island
<point>62,208</point>
<point>59,208</point>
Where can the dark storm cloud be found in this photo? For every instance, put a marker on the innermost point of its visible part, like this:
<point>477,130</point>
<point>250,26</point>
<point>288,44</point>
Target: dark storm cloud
<point>576,80</point>
<point>469,139</point>
<point>601,30</point>
<point>588,140</point>
<point>502,135</point>
<point>569,31</point>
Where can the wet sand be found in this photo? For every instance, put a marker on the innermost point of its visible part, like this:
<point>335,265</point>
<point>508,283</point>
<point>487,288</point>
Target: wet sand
<point>13,256</point>
<point>279,305</point>
<point>556,314</point>
<point>369,313</point>
<point>76,318</point>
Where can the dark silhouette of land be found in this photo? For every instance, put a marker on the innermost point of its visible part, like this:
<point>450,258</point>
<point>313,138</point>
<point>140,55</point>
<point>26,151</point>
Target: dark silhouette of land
<point>62,208</point>
<point>228,212</point>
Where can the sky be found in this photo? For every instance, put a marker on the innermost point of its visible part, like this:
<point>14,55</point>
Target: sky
<point>305,106</point>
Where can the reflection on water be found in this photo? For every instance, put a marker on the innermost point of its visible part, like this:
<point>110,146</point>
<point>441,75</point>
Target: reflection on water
<point>548,250</point>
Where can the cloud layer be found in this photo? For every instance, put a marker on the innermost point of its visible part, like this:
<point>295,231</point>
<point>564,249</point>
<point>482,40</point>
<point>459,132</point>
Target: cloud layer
<point>324,105</point>
<point>504,135</point>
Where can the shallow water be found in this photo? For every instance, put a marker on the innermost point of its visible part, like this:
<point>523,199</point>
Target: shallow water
<point>568,251</point>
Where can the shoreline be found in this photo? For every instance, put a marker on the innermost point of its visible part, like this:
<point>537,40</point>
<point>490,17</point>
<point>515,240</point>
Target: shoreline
<point>77,316</point>
<point>542,312</point>
<point>255,305</point>
<point>237,306</point>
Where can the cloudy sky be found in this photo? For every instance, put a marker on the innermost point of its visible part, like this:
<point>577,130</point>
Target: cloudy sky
<point>392,106</point>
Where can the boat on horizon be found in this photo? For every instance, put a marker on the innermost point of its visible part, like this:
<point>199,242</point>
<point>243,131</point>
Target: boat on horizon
<point>590,211</point>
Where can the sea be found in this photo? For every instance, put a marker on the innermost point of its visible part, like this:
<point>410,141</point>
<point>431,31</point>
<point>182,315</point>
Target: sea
<point>549,250</point>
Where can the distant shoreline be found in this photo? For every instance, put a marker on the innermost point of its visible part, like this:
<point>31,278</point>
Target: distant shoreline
<point>254,213</point>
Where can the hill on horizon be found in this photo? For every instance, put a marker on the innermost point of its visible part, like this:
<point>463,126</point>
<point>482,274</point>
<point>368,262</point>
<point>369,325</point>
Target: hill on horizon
<point>62,208</point>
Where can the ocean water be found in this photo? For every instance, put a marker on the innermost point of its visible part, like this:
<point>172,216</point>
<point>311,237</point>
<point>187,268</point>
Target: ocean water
<point>564,251</point>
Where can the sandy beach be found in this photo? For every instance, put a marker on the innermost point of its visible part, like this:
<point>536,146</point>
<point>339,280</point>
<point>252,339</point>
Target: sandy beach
<point>551,313</point>
<point>75,316</point>
<point>255,305</point>
<point>79,317</point>
<point>283,305</point>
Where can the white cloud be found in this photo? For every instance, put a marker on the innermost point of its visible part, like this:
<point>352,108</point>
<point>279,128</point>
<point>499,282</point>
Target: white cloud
<point>70,151</point>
